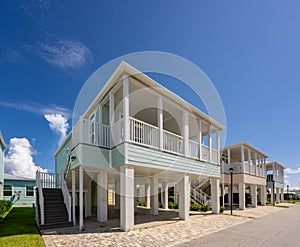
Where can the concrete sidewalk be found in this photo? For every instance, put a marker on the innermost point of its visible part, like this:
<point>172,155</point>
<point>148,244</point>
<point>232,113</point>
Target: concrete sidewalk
<point>163,230</point>
<point>274,230</point>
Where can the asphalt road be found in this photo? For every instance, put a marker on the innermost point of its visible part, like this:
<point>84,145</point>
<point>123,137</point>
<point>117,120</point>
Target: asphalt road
<point>278,229</point>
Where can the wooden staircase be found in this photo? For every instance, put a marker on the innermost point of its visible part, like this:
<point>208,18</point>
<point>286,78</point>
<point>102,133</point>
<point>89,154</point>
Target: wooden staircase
<point>55,211</point>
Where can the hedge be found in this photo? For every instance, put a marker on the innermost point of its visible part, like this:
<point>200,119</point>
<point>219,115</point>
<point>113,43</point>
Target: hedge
<point>4,206</point>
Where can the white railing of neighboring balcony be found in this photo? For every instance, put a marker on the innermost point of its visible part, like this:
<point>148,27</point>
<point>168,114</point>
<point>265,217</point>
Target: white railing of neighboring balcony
<point>172,142</point>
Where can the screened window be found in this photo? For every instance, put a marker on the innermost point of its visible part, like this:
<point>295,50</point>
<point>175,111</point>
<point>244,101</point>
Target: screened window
<point>7,190</point>
<point>29,191</point>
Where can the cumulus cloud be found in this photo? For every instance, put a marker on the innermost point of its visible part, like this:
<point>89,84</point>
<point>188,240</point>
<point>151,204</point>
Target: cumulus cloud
<point>62,53</point>
<point>292,171</point>
<point>19,160</point>
<point>58,124</point>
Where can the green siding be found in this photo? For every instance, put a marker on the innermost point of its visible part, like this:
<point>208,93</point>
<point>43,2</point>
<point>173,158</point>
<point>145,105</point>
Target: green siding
<point>19,185</point>
<point>141,156</point>
<point>118,155</point>
<point>95,156</point>
<point>61,157</point>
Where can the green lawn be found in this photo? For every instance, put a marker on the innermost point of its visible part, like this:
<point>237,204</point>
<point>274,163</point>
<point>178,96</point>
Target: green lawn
<point>18,229</point>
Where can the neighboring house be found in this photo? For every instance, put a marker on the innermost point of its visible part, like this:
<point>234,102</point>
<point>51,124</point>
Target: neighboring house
<point>136,135</point>
<point>2,149</point>
<point>249,174</point>
<point>19,190</point>
<point>275,181</point>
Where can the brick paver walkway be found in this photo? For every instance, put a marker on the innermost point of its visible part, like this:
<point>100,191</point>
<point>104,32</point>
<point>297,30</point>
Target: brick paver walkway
<point>166,230</point>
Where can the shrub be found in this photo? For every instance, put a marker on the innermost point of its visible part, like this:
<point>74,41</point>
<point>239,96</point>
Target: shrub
<point>5,206</point>
<point>222,209</point>
<point>205,208</point>
<point>141,203</point>
<point>160,205</point>
<point>194,207</point>
<point>173,205</point>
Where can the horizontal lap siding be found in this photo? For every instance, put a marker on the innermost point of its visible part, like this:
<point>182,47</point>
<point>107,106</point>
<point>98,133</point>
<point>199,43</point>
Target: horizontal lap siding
<point>118,155</point>
<point>141,156</point>
<point>95,156</point>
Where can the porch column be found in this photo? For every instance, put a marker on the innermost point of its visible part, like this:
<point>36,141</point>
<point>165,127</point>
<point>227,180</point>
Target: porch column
<point>85,205</point>
<point>102,196</point>
<point>254,195</point>
<point>80,198</point>
<point>135,197</point>
<point>210,143</point>
<point>73,197</point>
<point>242,203</point>
<point>200,138</point>
<point>242,160</point>
<point>277,196</point>
<point>165,194</point>
<point>127,197</point>
<point>89,199</point>
<point>263,195</point>
<point>185,123</point>
<point>282,195</point>
<point>272,195</point>
<point>218,146</point>
<point>215,195</point>
<point>126,130</point>
<point>160,121</point>
<point>147,195</point>
<point>154,195</point>
<point>184,197</point>
<point>249,162</point>
<point>117,194</point>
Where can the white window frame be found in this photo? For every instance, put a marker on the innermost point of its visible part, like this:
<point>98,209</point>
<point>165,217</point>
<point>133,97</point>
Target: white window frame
<point>12,190</point>
<point>26,190</point>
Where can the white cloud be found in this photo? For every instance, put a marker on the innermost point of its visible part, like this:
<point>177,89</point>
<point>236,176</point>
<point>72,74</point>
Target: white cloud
<point>36,108</point>
<point>58,124</point>
<point>62,53</point>
<point>19,161</point>
<point>292,171</point>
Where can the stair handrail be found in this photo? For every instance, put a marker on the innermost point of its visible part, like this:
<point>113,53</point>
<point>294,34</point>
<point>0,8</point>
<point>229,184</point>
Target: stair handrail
<point>41,197</point>
<point>199,195</point>
<point>66,194</point>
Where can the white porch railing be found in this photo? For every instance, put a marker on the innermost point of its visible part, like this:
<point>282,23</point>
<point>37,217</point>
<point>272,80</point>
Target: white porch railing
<point>194,149</point>
<point>248,169</point>
<point>172,142</point>
<point>143,133</point>
<point>41,197</point>
<point>214,155</point>
<point>66,194</point>
<point>205,153</point>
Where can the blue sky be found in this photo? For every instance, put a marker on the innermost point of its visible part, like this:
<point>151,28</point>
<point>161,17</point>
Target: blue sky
<point>249,50</point>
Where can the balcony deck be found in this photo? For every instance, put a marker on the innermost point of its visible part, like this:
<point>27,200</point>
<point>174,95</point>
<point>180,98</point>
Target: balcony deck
<point>140,134</point>
<point>246,169</point>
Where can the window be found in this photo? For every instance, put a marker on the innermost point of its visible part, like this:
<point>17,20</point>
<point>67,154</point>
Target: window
<point>7,190</point>
<point>29,190</point>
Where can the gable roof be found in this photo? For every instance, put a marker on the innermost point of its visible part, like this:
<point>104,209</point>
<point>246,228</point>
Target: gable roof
<point>2,143</point>
<point>13,177</point>
<point>125,69</point>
